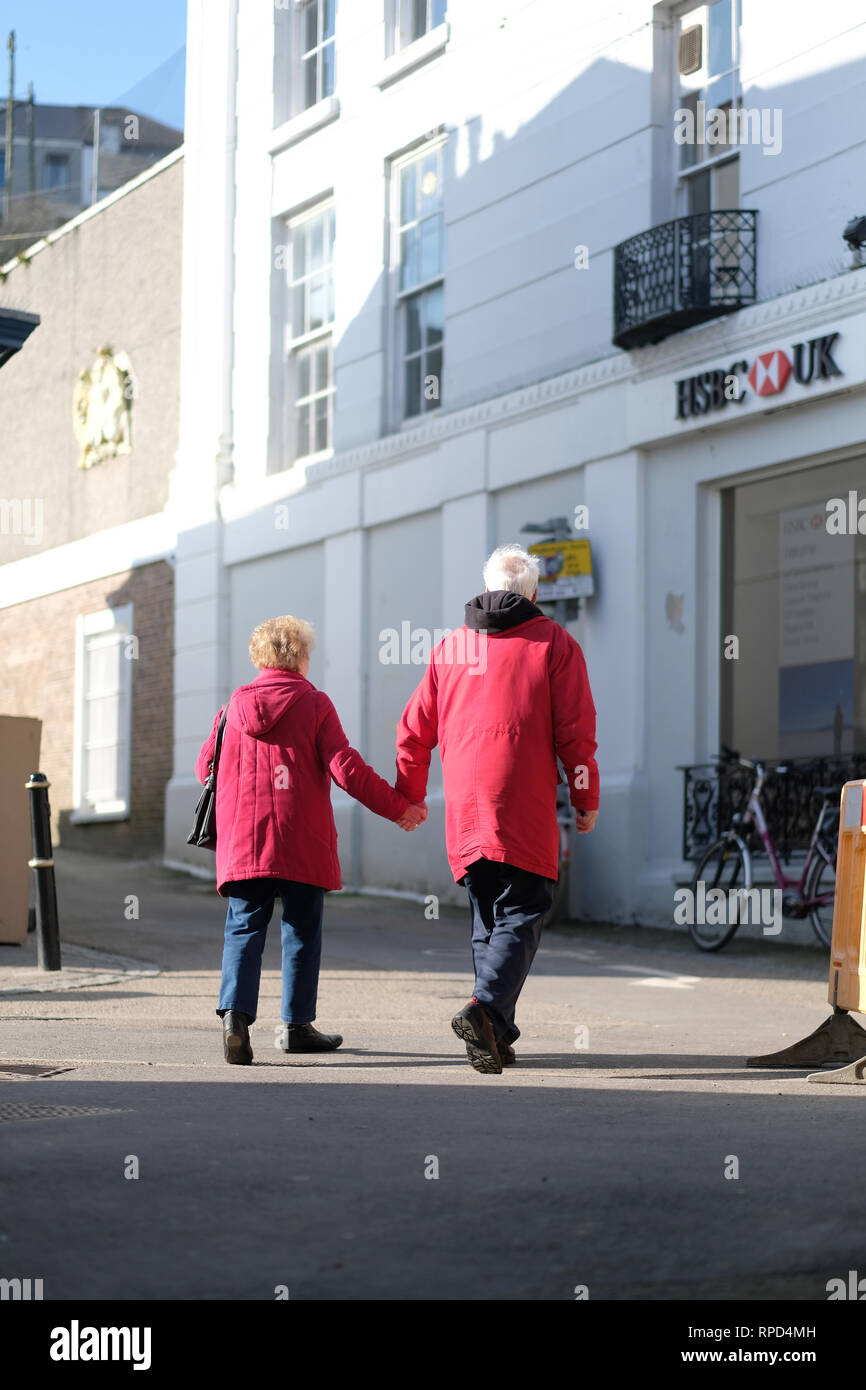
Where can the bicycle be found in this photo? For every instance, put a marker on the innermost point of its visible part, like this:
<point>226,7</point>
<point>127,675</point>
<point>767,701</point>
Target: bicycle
<point>727,865</point>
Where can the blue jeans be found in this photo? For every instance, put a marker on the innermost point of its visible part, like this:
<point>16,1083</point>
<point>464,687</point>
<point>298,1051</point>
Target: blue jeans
<point>509,908</point>
<point>251,906</point>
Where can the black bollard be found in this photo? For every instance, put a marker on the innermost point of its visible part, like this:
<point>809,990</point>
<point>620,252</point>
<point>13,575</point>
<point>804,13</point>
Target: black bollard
<point>42,864</point>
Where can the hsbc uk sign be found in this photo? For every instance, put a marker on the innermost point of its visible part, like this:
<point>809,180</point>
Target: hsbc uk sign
<point>767,375</point>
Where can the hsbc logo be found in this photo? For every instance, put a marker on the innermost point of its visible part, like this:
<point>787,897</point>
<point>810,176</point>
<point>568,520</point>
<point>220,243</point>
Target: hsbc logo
<point>768,375</point>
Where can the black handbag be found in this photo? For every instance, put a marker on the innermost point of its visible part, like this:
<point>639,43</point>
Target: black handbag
<point>203,831</point>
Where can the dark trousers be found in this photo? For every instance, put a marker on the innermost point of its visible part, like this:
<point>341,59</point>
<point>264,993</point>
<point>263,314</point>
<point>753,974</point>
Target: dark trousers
<point>509,908</point>
<point>251,906</point>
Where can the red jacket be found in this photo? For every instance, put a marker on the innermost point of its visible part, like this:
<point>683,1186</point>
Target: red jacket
<point>282,744</point>
<point>503,698</point>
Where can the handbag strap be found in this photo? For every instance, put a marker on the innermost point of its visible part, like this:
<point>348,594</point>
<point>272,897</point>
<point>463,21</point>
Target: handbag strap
<point>214,762</point>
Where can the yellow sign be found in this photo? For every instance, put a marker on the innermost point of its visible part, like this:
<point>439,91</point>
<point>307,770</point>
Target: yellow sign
<point>566,569</point>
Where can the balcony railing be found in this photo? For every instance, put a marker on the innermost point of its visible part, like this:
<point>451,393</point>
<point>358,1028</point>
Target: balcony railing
<point>713,792</point>
<point>682,273</point>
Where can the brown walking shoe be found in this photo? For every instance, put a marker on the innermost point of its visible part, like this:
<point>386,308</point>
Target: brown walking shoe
<point>473,1025</point>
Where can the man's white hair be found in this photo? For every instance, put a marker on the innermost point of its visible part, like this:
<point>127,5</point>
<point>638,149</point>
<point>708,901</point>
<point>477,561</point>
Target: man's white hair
<point>511,567</point>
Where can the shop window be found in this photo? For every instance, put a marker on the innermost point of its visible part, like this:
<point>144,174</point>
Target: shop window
<point>794,596</point>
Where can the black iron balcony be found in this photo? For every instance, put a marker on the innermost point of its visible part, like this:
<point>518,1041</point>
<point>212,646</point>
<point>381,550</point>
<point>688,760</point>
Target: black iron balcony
<point>681,273</point>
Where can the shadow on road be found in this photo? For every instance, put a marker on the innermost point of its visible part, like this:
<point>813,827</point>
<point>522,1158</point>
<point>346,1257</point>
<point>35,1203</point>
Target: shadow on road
<point>244,1186</point>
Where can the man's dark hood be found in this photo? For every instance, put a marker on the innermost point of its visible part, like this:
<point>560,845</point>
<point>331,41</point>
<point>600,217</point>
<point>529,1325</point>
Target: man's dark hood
<point>500,609</point>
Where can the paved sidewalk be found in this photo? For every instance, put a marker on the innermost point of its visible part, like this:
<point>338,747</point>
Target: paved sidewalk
<point>81,966</point>
<point>600,1159</point>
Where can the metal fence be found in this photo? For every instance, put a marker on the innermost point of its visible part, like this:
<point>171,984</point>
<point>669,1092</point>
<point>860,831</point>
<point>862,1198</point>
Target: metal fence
<point>714,792</point>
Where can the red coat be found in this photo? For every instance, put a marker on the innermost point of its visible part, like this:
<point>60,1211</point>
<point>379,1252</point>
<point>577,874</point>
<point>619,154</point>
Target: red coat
<point>282,744</point>
<point>502,709</point>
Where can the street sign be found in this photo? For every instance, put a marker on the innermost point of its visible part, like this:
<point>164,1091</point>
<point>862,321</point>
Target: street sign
<point>566,569</point>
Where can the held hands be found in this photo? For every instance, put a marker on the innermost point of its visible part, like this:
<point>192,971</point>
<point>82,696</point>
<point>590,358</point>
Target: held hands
<point>413,817</point>
<point>585,821</point>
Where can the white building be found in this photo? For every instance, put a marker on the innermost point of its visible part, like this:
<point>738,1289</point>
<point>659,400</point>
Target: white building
<point>398,324</point>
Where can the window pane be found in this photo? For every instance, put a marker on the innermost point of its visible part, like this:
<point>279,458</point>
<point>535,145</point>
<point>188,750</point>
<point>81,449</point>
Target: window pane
<point>437,12</point>
<point>718,130</point>
<point>303,433</point>
<point>299,320</point>
<point>330,299</point>
<point>311,20</point>
<point>433,380</point>
<point>408,194</point>
<point>328,70</point>
<point>430,261</point>
<point>299,252</point>
<point>318,300</point>
<point>322,373</point>
<point>331,232</point>
<point>431,189</point>
<point>727,190</point>
<point>434,316</point>
<point>699,193</point>
<point>103,665</point>
<point>719,93</point>
<point>102,724</point>
<point>720,55</point>
<point>413,387</point>
<point>303,361</point>
<point>102,776</point>
<point>413,324</point>
<point>409,258</point>
<point>328,18</point>
<point>321,424</point>
<point>419,18</point>
<point>317,243</point>
<point>689,153</point>
<point>310,81</point>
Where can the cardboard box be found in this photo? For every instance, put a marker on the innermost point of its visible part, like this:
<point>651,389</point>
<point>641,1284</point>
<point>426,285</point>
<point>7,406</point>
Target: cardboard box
<point>20,740</point>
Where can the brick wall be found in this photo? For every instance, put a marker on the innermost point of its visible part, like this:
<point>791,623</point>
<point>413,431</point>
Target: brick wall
<point>37,640</point>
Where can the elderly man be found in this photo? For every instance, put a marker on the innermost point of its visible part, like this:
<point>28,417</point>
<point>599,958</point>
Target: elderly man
<point>503,697</point>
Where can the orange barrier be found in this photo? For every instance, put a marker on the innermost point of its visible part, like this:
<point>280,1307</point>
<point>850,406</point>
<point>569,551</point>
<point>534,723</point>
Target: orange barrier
<point>847,988</point>
<point>840,1038</point>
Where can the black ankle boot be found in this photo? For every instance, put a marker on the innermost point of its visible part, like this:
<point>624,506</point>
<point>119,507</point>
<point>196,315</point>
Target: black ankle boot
<point>303,1037</point>
<point>236,1038</point>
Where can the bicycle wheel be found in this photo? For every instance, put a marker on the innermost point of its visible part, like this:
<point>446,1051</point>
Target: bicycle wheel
<point>723,866</point>
<point>821,883</point>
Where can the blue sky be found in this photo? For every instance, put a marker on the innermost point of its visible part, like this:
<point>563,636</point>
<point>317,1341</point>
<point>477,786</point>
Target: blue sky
<point>93,53</point>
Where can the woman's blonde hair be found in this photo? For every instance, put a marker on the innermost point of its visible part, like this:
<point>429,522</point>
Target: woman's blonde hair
<point>282,643</point>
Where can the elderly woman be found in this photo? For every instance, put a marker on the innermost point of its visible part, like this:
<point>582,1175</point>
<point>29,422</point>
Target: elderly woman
<point>282,744</point>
